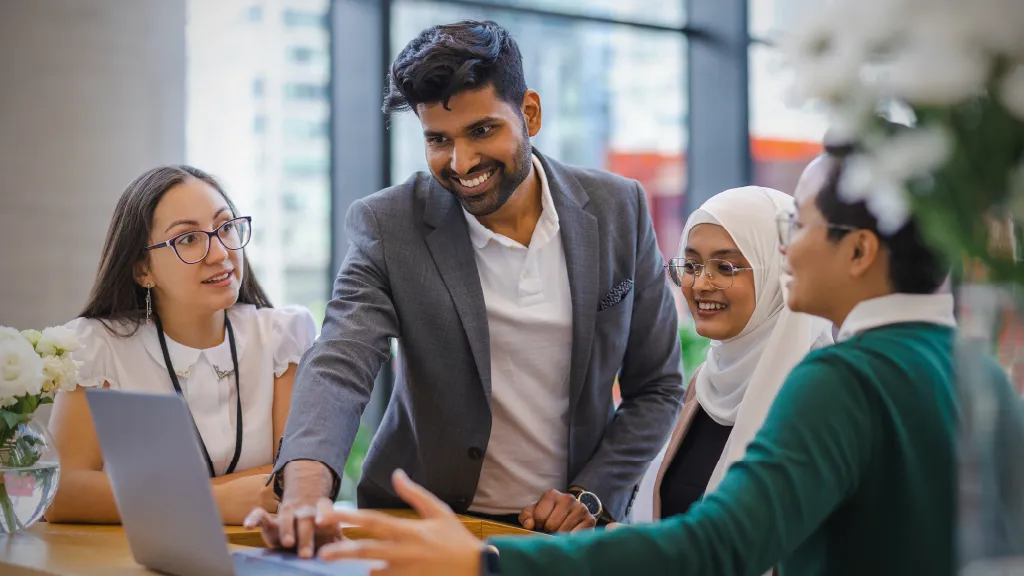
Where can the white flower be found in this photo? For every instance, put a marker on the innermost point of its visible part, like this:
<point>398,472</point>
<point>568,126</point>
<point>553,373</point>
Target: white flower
<point>1012,91</point>
<point>56,340</point>
<point>859,179</point>
<point>7,333</point>
<point>829,75</point>
<point>864,179</point>
<point>935,64</point>
<point>996,25</point>
<point>848,120</point>
<point>53,369</point>
<point>879,177</point>
<point>914,152</point>
<point>61,373</point>
<point>891,209</point>
<point>21,370</point>
<point>33,336</point>
<point>830,49</point>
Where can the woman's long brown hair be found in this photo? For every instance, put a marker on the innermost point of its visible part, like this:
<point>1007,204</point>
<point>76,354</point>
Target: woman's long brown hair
<point>115,297</point>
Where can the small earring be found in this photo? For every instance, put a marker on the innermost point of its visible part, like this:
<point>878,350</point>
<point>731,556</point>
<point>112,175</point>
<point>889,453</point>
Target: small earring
<point>149,302</point>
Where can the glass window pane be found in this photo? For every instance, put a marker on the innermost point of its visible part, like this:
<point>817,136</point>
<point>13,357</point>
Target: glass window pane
<point>768,19</point>
<point>613,98</point>
<point>783,138</point>
<point>663,12</point>
<point>258,111</point>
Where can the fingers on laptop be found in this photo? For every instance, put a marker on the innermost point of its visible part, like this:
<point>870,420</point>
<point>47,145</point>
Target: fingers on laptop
<point>267,525</point>
<point>305,530</point>
<point>304,527</point>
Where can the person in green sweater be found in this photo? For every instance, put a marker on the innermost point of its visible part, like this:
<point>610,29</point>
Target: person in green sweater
<point>853,472</point>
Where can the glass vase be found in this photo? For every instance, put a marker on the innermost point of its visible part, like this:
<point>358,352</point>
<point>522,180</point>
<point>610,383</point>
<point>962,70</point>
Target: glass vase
<point>29,473</point>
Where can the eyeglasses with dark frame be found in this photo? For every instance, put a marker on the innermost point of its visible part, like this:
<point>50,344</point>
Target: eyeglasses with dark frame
<point>786,224</point>
<point>720,273</point>
<point>193,246</point>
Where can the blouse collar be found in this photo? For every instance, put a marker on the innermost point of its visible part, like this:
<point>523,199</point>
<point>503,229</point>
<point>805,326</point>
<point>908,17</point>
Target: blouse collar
<point>897,309</point>
<point>184,357</point>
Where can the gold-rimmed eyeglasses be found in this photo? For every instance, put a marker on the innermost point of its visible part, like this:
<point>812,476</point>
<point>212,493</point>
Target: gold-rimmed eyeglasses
<point>786,225</point>
<point>720,273</point>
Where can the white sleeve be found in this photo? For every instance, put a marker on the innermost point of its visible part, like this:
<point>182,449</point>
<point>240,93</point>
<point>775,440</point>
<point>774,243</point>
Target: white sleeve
<point>96,355</point>
<point>294,331</point>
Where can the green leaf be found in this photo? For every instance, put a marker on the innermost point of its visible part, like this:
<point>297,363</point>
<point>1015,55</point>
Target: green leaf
<point>12,419</point>
<point>988,143</point>
<point>46,400</point>
<point>25,453</point>
<point>27,404</point>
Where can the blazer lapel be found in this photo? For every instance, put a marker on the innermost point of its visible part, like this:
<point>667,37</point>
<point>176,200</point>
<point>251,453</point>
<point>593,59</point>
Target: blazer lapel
<point>580,243</point>
<point>453,255</point>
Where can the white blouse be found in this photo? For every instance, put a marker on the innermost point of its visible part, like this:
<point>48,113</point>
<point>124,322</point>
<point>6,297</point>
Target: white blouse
<point>267,341</point>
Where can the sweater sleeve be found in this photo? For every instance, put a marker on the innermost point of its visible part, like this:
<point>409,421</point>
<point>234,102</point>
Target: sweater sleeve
<point>805,461</point>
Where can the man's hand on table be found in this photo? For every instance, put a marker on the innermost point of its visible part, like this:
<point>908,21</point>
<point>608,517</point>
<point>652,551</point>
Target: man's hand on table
<point>236,498</point>
<point>435,544</point>
<point>303,519</point>
<point>557,512</point>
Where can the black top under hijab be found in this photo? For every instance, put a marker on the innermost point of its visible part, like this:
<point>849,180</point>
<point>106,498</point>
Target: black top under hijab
<point>688,473</point>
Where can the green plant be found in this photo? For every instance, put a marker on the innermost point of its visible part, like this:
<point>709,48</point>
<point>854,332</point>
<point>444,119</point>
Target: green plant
<point>354,464</point>
<point>694,348</point>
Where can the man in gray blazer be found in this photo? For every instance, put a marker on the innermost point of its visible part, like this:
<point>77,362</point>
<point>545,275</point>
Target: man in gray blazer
<point>518,288</point>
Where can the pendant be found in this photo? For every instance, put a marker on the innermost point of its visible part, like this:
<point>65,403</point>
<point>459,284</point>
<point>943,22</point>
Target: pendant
<point>222,374</point>
<point>186,373</point>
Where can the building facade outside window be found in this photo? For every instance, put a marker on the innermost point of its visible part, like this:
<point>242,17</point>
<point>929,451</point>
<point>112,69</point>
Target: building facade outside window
<point>258,116</point>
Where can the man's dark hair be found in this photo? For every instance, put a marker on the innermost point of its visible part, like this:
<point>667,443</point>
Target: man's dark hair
<point>446,60</point>
<point>914,266</point>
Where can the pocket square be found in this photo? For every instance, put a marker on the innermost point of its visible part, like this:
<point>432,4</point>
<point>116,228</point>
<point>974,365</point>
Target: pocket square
<point>616,294</point>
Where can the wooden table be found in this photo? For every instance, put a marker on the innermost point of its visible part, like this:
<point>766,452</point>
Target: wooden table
<point>85,550</point>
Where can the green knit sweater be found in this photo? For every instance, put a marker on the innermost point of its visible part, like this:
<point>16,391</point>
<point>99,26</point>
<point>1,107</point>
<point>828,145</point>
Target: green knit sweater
<point>853,472</point>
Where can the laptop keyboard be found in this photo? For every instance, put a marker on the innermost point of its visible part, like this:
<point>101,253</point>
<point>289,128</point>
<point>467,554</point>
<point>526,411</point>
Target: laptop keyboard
<point>267,563</point>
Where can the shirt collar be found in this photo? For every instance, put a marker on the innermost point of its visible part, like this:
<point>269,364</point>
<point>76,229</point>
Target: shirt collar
<point>184,357</point>
<point>480,235</point>
<point>898,309</point>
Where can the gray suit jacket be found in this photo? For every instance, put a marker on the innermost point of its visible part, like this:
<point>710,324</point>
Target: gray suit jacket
<point>410,273</point>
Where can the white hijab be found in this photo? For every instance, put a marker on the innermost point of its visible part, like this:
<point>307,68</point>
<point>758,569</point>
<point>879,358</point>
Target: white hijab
<point>742,375</point>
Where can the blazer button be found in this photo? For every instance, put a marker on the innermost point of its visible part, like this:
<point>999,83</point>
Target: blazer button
<point>475,453</point>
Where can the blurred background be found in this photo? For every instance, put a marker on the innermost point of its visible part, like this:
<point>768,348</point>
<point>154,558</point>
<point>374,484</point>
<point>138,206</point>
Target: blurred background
<point>280,99</point>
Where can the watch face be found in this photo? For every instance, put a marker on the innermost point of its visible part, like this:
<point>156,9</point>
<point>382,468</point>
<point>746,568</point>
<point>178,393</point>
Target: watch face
<point>592,503</point>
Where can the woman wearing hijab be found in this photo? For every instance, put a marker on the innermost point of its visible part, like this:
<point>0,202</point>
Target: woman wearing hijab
<point>729,269</point>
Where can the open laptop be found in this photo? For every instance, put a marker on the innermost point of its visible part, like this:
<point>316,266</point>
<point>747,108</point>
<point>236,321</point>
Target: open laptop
<point>162,489</point>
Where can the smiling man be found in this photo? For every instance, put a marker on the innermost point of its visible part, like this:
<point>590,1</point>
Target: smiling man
<point>518,288</point>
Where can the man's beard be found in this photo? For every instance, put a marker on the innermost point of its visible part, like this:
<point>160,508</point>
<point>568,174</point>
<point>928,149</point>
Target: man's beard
<point>509,182</point>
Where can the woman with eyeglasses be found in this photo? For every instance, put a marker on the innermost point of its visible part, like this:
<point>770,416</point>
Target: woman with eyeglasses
<point>729,270</point>
<point>175,309</point>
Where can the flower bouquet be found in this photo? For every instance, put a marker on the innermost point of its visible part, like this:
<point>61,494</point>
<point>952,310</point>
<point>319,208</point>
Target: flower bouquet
<point>34,366</point>
<point>952,73</point>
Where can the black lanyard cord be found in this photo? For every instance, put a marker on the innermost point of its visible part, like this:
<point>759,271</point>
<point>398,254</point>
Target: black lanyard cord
<point>238,393</point>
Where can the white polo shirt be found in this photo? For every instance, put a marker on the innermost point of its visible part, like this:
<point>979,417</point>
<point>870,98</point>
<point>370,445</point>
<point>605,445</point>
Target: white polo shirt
<point>529,318</point>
